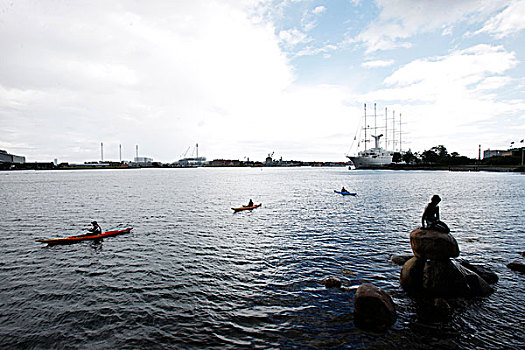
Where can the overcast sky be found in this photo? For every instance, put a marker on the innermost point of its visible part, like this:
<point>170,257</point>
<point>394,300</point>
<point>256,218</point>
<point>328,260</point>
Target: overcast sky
<point>246,78</point>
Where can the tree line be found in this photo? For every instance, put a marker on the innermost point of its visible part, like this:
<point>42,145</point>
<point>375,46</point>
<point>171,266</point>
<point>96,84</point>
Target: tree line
<point>439,155</point>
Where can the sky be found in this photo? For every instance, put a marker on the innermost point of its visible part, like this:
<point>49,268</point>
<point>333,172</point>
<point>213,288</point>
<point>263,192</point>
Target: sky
<point>247,78</point>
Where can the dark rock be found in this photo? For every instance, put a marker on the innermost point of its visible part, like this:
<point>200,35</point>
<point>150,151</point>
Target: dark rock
<point>482,271</point>
<point>442,278</point>
<point>400,259</point>
<point>431,244</point>
<point>411,278</point>
<point>332,282</point>
<point>478,286</point>
<point>516,266</point>
<point>433,309</point>
<point>374,309</point>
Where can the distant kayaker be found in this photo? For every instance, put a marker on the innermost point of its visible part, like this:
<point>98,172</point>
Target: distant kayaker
<point>343,189</point>
<point>95,230</point>
<point>430,218</point>
<point>250,203</point>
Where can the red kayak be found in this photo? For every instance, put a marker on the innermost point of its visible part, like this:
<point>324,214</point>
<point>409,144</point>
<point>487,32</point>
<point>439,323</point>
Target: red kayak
<point>80,238</point>
<point>247,208</point>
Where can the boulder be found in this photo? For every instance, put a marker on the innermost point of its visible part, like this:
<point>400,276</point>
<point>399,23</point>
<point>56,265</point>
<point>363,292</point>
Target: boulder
<point>478,286</point>
<point>431,244</point>
<point>411,278</point>
<point>332,282</point>
<point>433,309</point>
<point>400,259</point>
<point>441,278</point>
<point>516,266</point>
<point>482,271</point>
<point>374,309</point>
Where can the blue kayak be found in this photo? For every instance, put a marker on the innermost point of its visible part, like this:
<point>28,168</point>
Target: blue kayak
<point>346,193</point>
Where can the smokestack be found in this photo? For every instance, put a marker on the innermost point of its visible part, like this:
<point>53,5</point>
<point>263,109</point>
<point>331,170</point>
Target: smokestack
<point>101,152</point>
<point>137,151</point>
<point>197,149</point>
<point>120,152</point>
<point>479,153</point>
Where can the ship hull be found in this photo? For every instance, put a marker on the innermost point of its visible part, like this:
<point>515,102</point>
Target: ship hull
<point>371,162</point>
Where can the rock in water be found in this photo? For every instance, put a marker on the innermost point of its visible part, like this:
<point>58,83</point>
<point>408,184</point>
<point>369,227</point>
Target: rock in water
<point>374,309</point>
<point>433,309</point>
<point>431,244</point>
<point>478,286</point>
<point>332,282</point>
<point>516,266</point>
<point>411,278</point>
<point>482,271</point>
<point>442,278</point>
<point>400,259</point>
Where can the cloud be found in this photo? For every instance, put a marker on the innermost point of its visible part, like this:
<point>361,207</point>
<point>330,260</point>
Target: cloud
<point>311,51</point>
<point>293,37</point>
<point>377,63</point>
<point>399,20</point>
<point>461,93</point>
<point>319,9</point>
<point>163,76</point>
<point>509,21</point>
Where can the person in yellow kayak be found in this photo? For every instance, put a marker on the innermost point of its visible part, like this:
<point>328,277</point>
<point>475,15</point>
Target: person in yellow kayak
<point>95,230</point>
<point>250,203</point>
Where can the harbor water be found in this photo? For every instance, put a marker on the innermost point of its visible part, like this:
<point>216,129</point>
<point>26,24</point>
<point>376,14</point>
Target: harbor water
<point>194,275</point>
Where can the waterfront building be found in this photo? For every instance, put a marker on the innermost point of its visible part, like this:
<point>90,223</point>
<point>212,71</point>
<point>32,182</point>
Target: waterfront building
<point>496,153</point>
<point>11,158</point>
<point>143,160</point>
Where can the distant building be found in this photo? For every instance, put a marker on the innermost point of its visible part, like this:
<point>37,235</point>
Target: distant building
<point>225,162</point>
<point>194,161</point>
<point>143,160</point>
<point>496,153</point>
<point>11,158</point>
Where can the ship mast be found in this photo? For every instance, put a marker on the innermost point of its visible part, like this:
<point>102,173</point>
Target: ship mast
<point>394,131</point>
<point>375,120</point>
<point>386,128</point>
<point>400,132</point>
<point>365,128</point>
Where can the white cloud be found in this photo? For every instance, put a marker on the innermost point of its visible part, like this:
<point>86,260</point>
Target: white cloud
<point>163,76</point>
<point>293,37</point>
<point>319,9</point>
<point>312,51</point>
<point>447,96</point>
<point>509,21</point>
<point>377,63</point>
<point>402,19</point>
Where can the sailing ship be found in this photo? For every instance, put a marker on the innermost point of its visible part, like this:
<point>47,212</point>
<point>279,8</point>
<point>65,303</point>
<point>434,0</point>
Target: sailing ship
<point>377,156</point>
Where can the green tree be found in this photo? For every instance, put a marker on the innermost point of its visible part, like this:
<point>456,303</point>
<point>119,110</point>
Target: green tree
<point>409,157</point>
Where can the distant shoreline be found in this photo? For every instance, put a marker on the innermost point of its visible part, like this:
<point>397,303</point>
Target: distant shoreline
<point>452,168</point>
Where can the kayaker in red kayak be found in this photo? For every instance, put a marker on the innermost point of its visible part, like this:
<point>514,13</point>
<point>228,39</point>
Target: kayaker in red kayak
<point>250,203</point>
<point>95,230</point>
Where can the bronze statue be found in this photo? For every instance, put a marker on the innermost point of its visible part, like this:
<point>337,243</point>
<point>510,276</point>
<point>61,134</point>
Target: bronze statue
<point>430,219</point>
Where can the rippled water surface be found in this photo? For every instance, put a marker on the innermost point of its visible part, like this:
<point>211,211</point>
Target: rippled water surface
<point>192,274</point>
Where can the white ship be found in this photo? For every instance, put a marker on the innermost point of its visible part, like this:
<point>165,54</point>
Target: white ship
<point>374,157</point>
